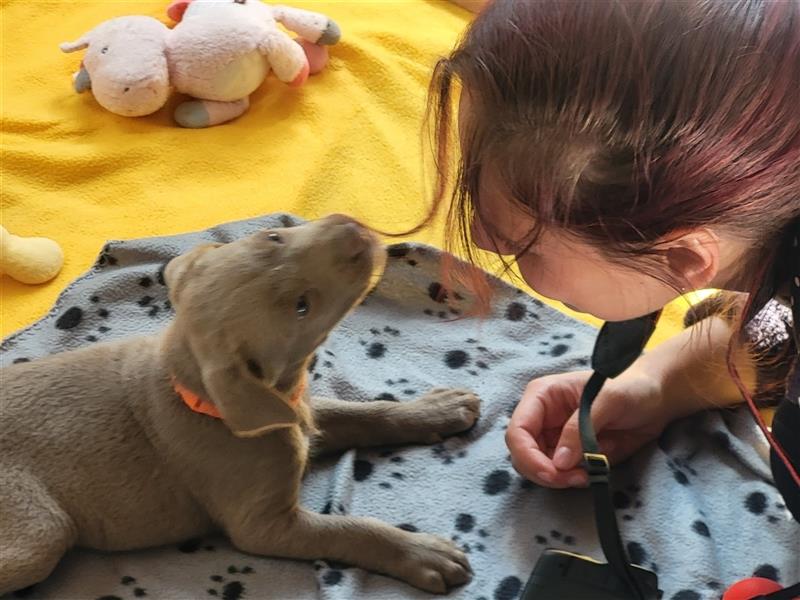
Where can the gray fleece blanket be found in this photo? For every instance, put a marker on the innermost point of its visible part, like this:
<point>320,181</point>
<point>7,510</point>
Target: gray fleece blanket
<point>698,507</point>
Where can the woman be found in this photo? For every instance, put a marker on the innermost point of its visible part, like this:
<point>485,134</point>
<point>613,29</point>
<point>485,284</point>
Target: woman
<point>623,153</point>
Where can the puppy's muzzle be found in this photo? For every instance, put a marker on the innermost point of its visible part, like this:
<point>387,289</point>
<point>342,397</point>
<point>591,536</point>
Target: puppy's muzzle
<point>353,242</point>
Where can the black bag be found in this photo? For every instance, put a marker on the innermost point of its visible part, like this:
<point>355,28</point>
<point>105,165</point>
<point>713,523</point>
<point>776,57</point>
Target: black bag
<point>560,575</point>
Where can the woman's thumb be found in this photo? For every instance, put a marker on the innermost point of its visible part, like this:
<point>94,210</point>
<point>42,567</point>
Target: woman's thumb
<point>569,450</point>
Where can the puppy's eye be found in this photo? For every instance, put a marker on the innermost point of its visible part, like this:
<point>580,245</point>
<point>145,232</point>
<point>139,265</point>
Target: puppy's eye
<point>302,307</point>
<point>272,236</point>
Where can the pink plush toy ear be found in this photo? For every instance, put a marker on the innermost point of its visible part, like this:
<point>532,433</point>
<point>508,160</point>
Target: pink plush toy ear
<point>177,8</point>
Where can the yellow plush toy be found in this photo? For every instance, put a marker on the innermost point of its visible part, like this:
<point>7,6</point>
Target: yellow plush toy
<point>29,260</point>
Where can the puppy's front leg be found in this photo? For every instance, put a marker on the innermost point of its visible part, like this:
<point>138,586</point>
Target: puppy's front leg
<point>429,419</point>
<point>426,561</point>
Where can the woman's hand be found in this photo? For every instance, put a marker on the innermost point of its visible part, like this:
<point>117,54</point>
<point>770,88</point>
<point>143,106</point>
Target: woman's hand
<point>543,434</point>
<point>682,376</point>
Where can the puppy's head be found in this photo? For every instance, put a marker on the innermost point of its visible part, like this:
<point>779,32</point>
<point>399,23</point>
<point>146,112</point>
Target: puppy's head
<point>254,310</point>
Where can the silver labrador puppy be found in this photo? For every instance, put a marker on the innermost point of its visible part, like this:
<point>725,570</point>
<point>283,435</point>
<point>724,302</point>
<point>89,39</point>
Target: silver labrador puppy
<point>207,426</point>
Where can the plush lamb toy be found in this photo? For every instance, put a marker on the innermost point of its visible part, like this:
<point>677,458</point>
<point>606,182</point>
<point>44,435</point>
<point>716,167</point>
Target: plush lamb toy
<point>220,52</point>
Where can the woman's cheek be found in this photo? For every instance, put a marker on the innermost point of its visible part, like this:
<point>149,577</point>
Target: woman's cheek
<point>537,277</point>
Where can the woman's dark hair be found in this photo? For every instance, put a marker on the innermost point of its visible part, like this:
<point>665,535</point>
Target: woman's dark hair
<point>626,121</point>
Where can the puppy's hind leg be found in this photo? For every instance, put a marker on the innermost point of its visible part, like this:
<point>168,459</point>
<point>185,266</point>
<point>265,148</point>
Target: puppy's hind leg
<point>429,419</point>
<point>34,531</point>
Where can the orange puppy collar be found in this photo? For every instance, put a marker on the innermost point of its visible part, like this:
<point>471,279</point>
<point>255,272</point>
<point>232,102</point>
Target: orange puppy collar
<point>204,407</point>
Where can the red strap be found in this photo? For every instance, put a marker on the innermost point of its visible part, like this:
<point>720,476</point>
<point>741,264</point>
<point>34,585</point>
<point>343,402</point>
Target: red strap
<point>776,447</point>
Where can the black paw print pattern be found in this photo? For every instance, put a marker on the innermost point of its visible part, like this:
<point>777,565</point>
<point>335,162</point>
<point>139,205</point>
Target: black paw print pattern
<point>333,509</point>
<point>230,588</point>
<point>316,363</point>
<point>758,504</point>
<point>626,501</point>
<point>93,317</point>
<point>681,470</point>
<point>401,252</point>
<point>520,311</point>
<point>767,571</point>
<point>446,300</point>
<point>148,302</point>
<point>376,348</point>
<point>471,357</point>
<point>508,588</point>
<point>558,345</point>
<point>329,572</point>
<point>131,588</point>
<point>106,259</point>
<point>469,535</point>
<point>364,469</point>
<point>497,481</point>
<point>400,387</point>
<point>446,454</point>
<point>554,538</point>
<point>700,527</point>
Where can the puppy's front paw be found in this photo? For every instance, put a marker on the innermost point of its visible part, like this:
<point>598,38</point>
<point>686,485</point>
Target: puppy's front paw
<point>444,412</point>
<point>432,564</point>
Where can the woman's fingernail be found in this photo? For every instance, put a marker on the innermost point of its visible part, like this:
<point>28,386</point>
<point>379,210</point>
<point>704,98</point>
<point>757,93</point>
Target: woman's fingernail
<point>563,458</point>
<point>576,481</point>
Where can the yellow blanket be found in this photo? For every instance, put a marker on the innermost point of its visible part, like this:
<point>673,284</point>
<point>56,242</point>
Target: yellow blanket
<point>348,141</point>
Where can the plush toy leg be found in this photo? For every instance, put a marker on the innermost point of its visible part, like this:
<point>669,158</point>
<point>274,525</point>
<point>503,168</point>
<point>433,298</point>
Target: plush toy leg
<point>34,532</point>
<point>197,114</point>
<point>316,28</point>
<point>287,58</point>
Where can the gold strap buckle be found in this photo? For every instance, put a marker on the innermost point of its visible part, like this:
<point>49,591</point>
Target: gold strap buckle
<point>597,465</point>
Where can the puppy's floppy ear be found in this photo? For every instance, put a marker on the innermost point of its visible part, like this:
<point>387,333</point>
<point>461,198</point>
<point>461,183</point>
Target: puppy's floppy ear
<point>247,406</point>
<point>177,269</point>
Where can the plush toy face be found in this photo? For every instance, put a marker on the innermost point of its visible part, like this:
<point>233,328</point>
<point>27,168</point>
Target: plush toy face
<point>125,65</point>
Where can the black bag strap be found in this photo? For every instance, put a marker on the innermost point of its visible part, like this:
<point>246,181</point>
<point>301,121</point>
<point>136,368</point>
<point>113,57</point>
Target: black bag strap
<point>789,593</point>
<point>618,345</point>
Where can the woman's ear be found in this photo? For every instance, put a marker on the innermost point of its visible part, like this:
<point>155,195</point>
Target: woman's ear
<point>694,258</point>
